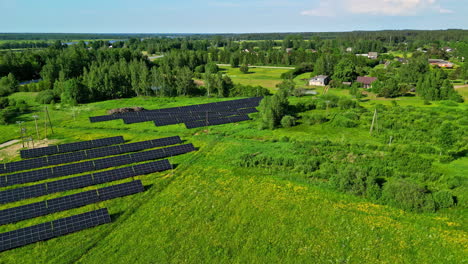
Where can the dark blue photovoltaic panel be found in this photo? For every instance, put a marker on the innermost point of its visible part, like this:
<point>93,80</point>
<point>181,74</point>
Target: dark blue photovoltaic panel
<point>20,213</point>
<point>72,201</point>
<point>27,192</point>
<point>75,168</point>
<point>3,181</point>
<point>148,155</point>
<point>68,202</point>
<point>160,165</point>
<point>112,162</point>
<point>44,231</point>
<point>24,236</point>
<point>70,184</point>
<point>25,164</point>
<point>28,176</point>
<point>120,190</point>
<point>102,152</point>
<point>69,147</point>
<point>38,190</point>
<point>114,175</point>
<point>79,222</point>
<point>66,158</point>
<point>137,146</point>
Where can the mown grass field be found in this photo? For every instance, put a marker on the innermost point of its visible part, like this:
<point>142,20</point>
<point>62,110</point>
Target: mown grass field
<point>265,77</point>
<point>209,210</point>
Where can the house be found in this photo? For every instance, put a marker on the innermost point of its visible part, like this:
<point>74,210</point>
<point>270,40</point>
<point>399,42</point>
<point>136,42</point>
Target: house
<point>373,55</point>
<point>402,60</point>
<point>289,50</point>
<point>441,63</point>
<point>366,81</point>
<point>320,80</point>
<point>349,49</point>
<point>447,49</point>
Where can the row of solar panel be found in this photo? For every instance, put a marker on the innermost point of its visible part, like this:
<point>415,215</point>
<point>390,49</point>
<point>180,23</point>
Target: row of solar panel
<point>68,202</point>
<point>176,118</point>
<point>217,121</point>
<point>38,152</point>
<point>89,154</point>
<point>38,190</point>
<point>234,104</point>
<point>99,164</point>
<point>60,227</point>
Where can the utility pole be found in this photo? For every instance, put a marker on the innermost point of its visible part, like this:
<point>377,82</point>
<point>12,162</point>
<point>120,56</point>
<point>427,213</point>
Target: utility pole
<point>373,121</point>
<point>50,122</point>
<point>21,131</point>
<point>35,122</point>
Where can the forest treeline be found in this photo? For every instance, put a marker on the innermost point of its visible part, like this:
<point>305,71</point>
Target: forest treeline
<point>98,70</point>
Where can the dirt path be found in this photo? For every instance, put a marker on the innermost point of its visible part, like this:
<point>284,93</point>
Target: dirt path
<point>9,143</point>
<point>461,86</point>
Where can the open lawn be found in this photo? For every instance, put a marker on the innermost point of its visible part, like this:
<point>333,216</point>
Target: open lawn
<point>265,77</point>
<point>210,210</point>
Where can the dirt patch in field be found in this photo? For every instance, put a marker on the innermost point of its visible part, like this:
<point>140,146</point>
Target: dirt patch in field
<point>461,86</point>
<point>12,151</point>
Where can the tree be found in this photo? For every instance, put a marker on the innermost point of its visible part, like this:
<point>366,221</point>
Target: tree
<point>444,135</point>
<point>234,61</point>
<point>272,109</point>
<point>244,68</point>
<point>184,81</point>
<point>8,85</point>
<point>345,71</point>
<point>389,88</point>
<point>288,121</point>
<point>73,92</point>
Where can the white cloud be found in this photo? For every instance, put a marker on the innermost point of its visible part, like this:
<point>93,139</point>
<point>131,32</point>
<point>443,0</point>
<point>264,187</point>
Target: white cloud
<point>445,11</point>
<point>376,7</point>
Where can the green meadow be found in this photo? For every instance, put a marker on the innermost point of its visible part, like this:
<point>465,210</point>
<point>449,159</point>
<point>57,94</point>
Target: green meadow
<point>211,210</point>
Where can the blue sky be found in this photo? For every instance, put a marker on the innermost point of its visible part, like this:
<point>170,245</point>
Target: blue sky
<point>211,16</point>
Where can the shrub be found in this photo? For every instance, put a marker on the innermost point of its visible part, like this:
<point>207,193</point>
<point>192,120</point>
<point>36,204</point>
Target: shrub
<point>342,121</point>
<point>407,195</point>
<point>443,199</point>
<point>288,121</point>
<point>45,97</point>
<point>315,119</point>
<point>244,68</point>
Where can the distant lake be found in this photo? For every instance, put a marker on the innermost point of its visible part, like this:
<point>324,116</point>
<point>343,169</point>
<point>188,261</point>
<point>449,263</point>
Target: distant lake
<point>87,42</point>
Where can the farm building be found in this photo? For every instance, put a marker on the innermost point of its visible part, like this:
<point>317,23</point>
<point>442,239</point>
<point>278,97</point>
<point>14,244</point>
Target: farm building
<point>373,55</point>
<point>320,80</point>
<point>366,81</point>
<point>441,63</point>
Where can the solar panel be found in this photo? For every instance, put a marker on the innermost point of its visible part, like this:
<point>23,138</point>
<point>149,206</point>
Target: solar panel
<point>25,164</point>
<point>82,181</point>
<point>113,175</point>
<point>48,230</point>
<point>64,203</point>
<point>69,184</point>
<point>102,152</point>
<point>72,201</point>
<point>69,147</point>
<point>18,194</point>
<point>20,213</point>
<point>79,222</point>
<point>160,165</point>
<point>112,162</point>
<point>120,190</point>
<point>66,158</point>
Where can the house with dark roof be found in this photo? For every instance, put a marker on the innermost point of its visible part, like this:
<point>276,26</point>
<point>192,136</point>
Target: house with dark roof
<point>366,81</point>
<point>441,63</point>
<point>320,80</point>
<point>373,55</point>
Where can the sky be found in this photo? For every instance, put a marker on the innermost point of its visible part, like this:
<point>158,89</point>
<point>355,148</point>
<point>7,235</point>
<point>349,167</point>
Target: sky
<point>228,16</point>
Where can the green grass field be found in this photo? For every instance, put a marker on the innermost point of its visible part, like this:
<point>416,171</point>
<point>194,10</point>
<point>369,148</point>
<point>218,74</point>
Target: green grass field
<point>265,77</point>
<point>208,210</point>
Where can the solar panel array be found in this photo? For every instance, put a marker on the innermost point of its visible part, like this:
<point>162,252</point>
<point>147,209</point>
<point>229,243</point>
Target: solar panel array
<point>81,167</point>
<point>73,152</point>
<point>38,190</point>
<point>193,115</point>
<point>70,147</point>
<point>68,202</point>
<point>88,154</point>
<point>48,230</point>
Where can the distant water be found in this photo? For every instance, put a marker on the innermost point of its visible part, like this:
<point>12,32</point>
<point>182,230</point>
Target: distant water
<point>87,42</point>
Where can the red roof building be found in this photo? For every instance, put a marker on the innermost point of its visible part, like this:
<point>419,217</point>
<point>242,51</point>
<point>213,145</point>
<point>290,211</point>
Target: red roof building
<point>366,81</point>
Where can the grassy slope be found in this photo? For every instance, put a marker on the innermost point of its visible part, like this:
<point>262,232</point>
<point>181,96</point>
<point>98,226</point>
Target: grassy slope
<point>209,210</point>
